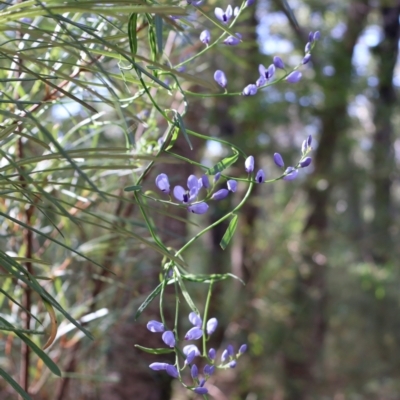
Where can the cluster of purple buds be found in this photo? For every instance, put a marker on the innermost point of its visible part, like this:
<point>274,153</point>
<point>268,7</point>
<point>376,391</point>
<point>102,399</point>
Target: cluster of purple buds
<point>190,351</point>
<point>267,74</point>
<point>189,196</point>
<point>229,358</point>
<point>291,172</point>
<point>312,38</point>
<point>249,167</point>
<point>168,338</point>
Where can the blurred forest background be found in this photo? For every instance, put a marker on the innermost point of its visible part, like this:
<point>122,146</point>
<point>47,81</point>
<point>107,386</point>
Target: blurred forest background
<point>320,255</point>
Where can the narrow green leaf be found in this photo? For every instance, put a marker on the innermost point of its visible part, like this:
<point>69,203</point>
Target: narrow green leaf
<point>132,188</point>
<point>229,232</point>
<point>159,27</point>
<point>210,278</point>
<point>172,141</point>
<point>18,304</point>
<point>181,125</point>
<point>152,37</point>
<point>185,292</point>
<point>50,238</point>
<point>154,351</point>
<point>12,267</point>
<point>223,164</point>
<point>41,354</point>
<point>15,385</point>
<point>148,300</point>
<point>7,131</point>
<point>132,34</point>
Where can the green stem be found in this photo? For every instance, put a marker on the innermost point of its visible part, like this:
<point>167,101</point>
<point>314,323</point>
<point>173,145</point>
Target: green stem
<point>164,284</point>
<point>149,223</point>
<point>216,41</point>
<point>205,315</point>
<point>194,238</point>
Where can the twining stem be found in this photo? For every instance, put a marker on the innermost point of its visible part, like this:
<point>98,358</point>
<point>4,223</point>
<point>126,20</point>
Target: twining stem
<point>226,216</point>
<point>205,317</point>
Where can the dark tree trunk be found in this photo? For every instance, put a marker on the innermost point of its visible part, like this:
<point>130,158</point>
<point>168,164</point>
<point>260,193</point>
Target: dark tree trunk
<point>307,325</point>
<point>382,149</point>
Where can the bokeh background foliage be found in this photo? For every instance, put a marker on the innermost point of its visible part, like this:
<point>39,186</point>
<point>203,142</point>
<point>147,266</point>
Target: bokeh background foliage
<point>320,309</point>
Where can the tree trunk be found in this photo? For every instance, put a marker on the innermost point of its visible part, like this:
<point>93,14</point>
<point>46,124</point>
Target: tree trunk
<point>382,149</point>
<point>308,323</point>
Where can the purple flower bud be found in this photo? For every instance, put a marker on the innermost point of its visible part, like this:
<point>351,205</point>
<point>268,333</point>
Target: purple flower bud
<point>162,183</point>
<point>155,326</point>
<point>195,3</point>
<point>202,382</point>
<point>260,177</point>
<point>306,59</point>
<point>194,372</point>
<point>206,369</point>
<point>311,36</point>
<point>205,37</point>
<point>190,357</point>
<point>250,90</point>
<point>294,77</point>
<point>217,176</point>
<point>261,81</point>
<point>169,338</point>
<point>233,40</point>
<point>309,140</point>
<point>232,185</point>
<point>220,194</point>
<point>236,11</point>
<point>317,36</point>
<point>205,181</point>
<point>263,71</point>
<point>278,160</point>
<point>224,355</point>
<point>291,174</point>
<point>180,194</point>
<point>308,47</point>
<point>232,364</point>
<point>200,390</point>
<point>199,208</point>
<point>304,146</point>
<point>212,353</point>
<point>209,369</point>
<point>306,162</point>
<point>249,164</point>
<point>222,15</point>
<point>194,334</point>
<point>172,371</point>
<point>278,62</point>
<point>249,3</point>
<point>230,350</point>
<point>220,78</point>
<point>271,71</point>
<point>157,366</point>
<point>242,348</point>
<point>195,319</point>
<point>191,348</point>
<point>212,325</point>
<point>192,182</point>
